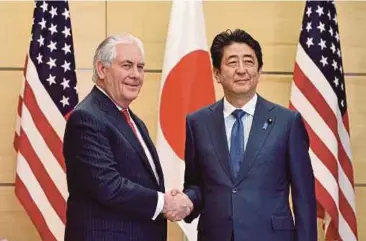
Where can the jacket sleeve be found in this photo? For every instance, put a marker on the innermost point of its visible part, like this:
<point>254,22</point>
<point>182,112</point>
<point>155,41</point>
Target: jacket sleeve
<point>192,177</point>
<point>91,168</point>
<point>302,182</point>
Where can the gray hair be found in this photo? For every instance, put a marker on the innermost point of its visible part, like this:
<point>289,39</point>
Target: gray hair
<point>106,51</point>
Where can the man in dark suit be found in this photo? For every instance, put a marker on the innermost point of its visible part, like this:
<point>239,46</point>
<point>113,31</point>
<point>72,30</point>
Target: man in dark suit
<point>115,181</point>
<point>244,153</point>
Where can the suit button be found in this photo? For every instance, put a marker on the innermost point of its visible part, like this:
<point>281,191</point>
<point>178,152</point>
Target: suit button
<point>234,190</point>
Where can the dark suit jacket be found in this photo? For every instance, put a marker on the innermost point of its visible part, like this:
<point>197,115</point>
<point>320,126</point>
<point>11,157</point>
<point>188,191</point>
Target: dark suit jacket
<point>112,188</point>
<point>255,205</point>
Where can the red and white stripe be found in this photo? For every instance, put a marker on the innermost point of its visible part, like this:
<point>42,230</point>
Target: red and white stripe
<point>40,178</point>
<point>330,150</point>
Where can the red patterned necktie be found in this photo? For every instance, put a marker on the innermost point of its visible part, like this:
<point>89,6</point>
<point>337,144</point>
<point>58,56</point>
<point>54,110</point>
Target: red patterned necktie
<point>127,116</point>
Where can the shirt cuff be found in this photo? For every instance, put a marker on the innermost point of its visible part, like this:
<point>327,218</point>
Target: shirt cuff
<point>159,205</point>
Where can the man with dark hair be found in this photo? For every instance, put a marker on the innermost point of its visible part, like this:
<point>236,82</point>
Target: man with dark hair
<point>243,153</point>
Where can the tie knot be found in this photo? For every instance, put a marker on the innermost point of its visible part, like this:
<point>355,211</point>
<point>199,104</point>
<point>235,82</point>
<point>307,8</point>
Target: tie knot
<point>238,113</point>
<point>126,114</point>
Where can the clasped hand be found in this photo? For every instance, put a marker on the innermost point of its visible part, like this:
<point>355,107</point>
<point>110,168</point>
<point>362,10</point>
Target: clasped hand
<point>177,205</point>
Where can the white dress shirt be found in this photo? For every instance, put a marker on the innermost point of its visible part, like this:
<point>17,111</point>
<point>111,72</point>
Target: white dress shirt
<point>247,119</point>
<point>160,203</point>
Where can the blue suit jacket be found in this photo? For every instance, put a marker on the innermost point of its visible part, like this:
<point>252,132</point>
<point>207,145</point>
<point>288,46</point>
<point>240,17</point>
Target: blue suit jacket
<point>255,205</point>
<point>112,188</point>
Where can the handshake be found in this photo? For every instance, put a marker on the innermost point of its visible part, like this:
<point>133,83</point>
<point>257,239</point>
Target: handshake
<point>177,205</point>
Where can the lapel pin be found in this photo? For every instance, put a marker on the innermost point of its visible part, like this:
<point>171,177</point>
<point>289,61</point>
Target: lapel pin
<point>265,125</point>
<point>268,122</point>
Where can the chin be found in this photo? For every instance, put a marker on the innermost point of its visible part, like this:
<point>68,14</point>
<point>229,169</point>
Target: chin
<point>133,93</point>
<point>131,97</point>
<point>242,91</point>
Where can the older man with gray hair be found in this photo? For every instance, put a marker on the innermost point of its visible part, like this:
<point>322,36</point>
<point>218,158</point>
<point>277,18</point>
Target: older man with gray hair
<point>114,176</point>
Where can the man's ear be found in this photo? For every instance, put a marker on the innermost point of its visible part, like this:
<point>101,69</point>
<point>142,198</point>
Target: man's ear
<point>100,67</point>
<point>260,71</point>
<point>216,73</point>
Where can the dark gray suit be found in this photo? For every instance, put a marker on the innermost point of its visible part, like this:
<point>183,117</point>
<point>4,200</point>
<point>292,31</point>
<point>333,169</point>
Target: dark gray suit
<point>254,206</point>
<point>113,190</point>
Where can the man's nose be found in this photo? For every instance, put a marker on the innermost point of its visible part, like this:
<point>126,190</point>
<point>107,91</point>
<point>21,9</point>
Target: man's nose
<point>134,72</point>
<point>241,68</point>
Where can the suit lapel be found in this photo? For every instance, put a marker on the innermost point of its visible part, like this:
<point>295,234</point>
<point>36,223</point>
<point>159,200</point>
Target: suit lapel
<point>217,132</point>
<point>152,149</point>
<point>258,134</point>
<point>113,114</point>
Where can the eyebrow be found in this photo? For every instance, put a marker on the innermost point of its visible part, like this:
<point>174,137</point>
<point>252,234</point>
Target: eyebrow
<point>130,62</point>
<point>245,56</point>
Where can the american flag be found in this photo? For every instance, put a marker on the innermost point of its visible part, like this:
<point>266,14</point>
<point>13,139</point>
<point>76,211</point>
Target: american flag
<point>318,93</point>
<point>48,95</point>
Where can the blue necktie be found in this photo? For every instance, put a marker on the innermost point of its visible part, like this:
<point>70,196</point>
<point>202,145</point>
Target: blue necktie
<point>237,141</point>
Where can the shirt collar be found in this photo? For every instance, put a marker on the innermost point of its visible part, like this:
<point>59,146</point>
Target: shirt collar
<point>249,107</point>
<point>105,93</point>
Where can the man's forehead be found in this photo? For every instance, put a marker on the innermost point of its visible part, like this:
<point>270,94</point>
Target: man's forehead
<point>129,54</point>
<point>128,48</point>
<point>239,50</point>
